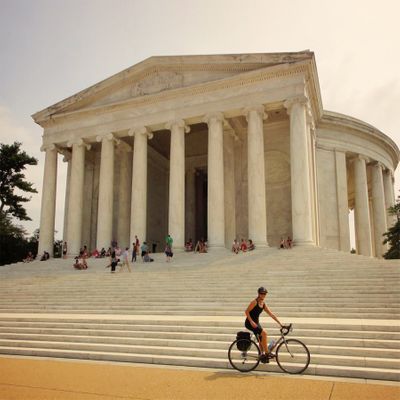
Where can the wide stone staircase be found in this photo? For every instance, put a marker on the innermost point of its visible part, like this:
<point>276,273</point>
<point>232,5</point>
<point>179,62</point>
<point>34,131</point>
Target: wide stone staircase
<point>345,308</point>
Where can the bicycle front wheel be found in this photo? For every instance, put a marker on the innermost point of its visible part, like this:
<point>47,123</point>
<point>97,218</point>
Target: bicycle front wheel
<point>244,355</point>
<point>293,356</point>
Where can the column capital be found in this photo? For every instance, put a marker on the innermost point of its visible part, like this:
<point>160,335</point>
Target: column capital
<point>216,116</point>
<point>46,147</point>
<point>108,136</point>
<point>378,164</point>
<point>360,157</point>
<point>289,103</point>
<point>79,142</point>
<point>141,130</point>
<point>259,109</point>
<point>180,123</point>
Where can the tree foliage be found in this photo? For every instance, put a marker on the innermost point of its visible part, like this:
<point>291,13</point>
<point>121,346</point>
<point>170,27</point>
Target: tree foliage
<point>14,246</point>
<point>392,236</point>
<point>13,162</point>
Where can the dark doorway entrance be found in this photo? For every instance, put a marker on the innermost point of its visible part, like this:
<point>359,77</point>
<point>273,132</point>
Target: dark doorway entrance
<point>201,204</point>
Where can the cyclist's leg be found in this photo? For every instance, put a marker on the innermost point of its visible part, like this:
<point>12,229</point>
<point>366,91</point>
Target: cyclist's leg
<point>264,345</point>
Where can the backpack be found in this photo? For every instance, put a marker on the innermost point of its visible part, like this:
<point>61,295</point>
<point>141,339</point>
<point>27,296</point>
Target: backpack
<point>244,342</point>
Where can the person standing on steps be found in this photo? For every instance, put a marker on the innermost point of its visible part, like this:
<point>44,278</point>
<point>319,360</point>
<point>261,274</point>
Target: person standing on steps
<point>253,311</point>
<point>169,241</point>
<point>125,260</point>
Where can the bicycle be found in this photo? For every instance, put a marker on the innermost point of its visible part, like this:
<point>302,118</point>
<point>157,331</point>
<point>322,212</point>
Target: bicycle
<point>292,355</point>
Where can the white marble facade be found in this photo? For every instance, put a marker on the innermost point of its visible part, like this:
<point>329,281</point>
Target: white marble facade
<point>220,147</point>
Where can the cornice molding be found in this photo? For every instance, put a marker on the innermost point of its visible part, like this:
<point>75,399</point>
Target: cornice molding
<point>345,123</point>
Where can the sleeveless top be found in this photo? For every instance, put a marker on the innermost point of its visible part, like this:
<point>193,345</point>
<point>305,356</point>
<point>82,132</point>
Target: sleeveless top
<point>255,312</point>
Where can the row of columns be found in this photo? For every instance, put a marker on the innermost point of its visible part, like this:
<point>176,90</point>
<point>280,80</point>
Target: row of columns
<point>302,222</point>
<point>370,228</point>
<point>300,160</point>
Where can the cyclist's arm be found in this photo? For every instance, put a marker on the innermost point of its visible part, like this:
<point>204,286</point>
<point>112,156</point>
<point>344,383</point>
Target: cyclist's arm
<point>271,314</point>
<point>249,308</point>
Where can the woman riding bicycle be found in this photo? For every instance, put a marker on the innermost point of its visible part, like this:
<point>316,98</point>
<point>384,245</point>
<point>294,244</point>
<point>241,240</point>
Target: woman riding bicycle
<point>253,312</point>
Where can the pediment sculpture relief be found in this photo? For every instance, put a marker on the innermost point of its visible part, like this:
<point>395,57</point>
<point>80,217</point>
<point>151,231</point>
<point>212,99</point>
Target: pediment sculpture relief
<point>158,82</point>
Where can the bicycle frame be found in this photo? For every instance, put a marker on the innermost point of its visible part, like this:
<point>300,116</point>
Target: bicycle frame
<point>279,341</point>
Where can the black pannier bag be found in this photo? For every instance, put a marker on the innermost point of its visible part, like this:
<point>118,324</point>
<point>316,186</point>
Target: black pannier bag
<point>243,343</point>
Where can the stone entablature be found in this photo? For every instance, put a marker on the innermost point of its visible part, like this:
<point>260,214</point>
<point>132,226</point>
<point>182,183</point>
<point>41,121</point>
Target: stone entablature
<point>215,146</point>
<point>352,135</point>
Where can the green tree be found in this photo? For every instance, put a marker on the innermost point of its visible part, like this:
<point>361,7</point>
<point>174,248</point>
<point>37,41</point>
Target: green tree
<point>13,243</point>
<point>13,162</point>
<point>392,236</point>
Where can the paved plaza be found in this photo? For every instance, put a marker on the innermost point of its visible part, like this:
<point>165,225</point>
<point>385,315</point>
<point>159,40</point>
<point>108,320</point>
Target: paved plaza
<point>41,379</point>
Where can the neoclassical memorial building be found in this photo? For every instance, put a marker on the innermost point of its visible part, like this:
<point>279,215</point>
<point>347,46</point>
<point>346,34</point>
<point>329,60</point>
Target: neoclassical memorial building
<point>220,147</point>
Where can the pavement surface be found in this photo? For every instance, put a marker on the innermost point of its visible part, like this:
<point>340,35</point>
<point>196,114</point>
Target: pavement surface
<point>43,379</point>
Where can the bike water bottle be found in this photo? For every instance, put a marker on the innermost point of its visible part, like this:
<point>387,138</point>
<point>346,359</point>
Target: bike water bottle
<point>271,344</point>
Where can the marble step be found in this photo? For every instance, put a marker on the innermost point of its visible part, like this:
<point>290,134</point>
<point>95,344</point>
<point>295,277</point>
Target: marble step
<point>130,311</point>
<point>373,349</point>
<point>205,362</point>
<point>135,329</point>
<point>172,348</point>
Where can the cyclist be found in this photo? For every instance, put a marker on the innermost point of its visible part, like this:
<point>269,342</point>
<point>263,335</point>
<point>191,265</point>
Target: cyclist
<point>255,308</point>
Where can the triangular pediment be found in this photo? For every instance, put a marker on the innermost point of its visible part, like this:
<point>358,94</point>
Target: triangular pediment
<point>159,74</point>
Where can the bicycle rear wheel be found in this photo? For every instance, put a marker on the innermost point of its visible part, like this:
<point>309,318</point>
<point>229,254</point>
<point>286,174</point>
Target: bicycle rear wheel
<point>244,355</point>
<point>293,356</point>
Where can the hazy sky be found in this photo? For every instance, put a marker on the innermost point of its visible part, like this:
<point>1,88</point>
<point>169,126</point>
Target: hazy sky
<point>52,49</point>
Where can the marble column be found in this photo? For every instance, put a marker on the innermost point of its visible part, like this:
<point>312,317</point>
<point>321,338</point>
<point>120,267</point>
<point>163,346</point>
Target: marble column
<point>176,207</point>
<point>342,200</point>
<point>190,206</point>
<point>299,171</point>
<point>389,196</point>
<point>75,208</point>
<point>216,204</point>
<point>67,159</point>
<point>48,209</point>
<point>106,188</point>
<point>139,184</point>
<point>311,139</point>
<point>229,182</point>
<point>124,195</point>
<point>378,208</point>
<point>257,211</point>
<point>361,208</point>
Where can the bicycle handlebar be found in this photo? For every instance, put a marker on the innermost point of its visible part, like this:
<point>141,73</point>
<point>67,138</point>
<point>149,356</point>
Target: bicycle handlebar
<point>286,329</point>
